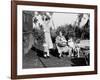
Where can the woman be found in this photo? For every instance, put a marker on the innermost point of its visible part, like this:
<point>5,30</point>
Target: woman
<point>48,42</point>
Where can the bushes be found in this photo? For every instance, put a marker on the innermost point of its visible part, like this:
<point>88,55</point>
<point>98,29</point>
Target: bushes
<point>38,35</point>
<point>74,31</point>
<point>67,30</point>
<point>71,31</point>
<point>39,38</point>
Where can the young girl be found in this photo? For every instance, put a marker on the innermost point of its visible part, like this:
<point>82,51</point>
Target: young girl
<point>48,42</point>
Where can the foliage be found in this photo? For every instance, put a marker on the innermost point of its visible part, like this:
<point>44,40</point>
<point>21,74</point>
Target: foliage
<point>72,31</point>
<point>67,30</point>
<point>38,35</point>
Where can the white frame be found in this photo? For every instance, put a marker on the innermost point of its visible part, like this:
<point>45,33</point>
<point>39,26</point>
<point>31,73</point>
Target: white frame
<point>21,71</point>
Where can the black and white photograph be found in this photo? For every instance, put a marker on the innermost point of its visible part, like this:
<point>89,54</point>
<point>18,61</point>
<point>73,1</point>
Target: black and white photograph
<point>55,39</point>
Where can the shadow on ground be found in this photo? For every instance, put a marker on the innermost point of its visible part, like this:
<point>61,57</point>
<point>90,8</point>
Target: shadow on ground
<point>35,59</point>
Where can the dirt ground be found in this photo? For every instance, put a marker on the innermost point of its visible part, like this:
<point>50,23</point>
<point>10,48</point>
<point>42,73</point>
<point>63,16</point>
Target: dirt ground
<point>35,59</point>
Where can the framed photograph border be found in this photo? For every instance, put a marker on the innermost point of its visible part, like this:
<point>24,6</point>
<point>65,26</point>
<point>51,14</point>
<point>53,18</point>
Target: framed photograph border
<point>14,38</point>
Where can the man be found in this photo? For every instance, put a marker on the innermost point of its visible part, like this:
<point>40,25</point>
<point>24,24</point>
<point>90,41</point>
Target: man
<point>61,44</point>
